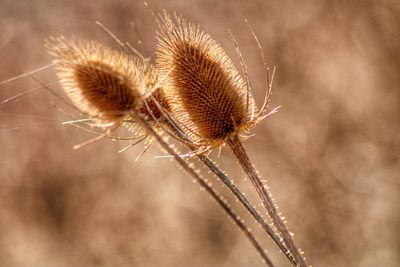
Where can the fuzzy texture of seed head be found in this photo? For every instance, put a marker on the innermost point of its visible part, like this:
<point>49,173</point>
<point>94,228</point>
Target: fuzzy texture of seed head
<point>102,83</point>
<point>207,93</point>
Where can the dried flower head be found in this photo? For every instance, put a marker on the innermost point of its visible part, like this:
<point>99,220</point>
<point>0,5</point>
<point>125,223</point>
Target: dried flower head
<point>207,93</point>
<point>102,83</point>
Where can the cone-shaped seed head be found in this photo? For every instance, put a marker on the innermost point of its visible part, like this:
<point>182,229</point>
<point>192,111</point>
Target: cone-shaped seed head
<point>102,83</point>
<point>206,92</point>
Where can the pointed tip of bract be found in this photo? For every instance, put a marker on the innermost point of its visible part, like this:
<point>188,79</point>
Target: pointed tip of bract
<point>208,95</point>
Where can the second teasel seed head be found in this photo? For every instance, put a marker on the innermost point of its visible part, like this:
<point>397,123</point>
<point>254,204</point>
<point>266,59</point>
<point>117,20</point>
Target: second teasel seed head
<point>102,83</point>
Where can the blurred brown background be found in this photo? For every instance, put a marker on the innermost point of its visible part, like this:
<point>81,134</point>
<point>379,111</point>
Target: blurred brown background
<point>331,154</point>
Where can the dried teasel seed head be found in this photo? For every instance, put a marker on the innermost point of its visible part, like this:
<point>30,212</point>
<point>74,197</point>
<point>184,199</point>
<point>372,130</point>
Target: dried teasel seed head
<point>102,83</point>
<point>207,93</point>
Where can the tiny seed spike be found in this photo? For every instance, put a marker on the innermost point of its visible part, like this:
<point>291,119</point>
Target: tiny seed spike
<point>113,36</point>
<point>244,68</point>
<point>27,74</point>
<point>15,98</point>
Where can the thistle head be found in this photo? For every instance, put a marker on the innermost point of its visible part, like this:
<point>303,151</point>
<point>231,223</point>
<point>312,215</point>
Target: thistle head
<point>207,94</point>
<point>100,82</point>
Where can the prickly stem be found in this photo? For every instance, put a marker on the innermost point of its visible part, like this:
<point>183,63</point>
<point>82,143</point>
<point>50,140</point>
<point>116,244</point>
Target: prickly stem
<point>240,153</point>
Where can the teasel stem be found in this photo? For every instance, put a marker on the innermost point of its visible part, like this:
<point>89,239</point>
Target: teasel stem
<point>237,148</point>
<point>245,202</point>
<point>206,187</point>
<point>178,133</point>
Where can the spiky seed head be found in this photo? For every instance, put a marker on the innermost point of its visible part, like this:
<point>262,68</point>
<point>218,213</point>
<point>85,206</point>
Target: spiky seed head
<point>207,93</point>
<point>102,83</point>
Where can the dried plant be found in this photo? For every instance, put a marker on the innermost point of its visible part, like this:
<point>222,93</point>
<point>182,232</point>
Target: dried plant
<point>110,87</point>
<point>211,101</point>
<point>325,160</point>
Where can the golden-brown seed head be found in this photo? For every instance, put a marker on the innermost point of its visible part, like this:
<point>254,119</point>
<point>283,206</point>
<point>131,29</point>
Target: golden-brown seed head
<point>207,93</point>
<point>102,83</point>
